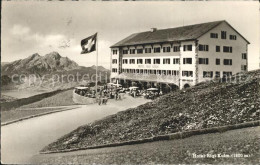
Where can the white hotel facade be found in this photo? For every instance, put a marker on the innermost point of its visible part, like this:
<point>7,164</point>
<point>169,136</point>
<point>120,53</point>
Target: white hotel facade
<point>179,57</point>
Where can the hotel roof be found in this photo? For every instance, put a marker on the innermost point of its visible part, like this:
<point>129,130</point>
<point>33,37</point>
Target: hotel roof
<point>184,33</point>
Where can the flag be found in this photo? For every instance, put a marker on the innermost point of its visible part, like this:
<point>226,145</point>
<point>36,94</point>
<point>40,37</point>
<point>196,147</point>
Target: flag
<point>89,44</point>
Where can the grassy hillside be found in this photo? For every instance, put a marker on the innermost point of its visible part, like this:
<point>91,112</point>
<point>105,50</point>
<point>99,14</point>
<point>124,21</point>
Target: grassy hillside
<point>63,98</point>
<point>5,98</point>
<point>53,98</point>
<point>206,105</point>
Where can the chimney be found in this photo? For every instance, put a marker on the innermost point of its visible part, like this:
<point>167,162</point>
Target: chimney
<point>153,29</point>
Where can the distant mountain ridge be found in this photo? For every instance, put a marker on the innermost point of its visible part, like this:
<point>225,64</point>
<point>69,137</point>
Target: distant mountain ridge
<point>100,68</point>
<point>46,68</point>
<point>36,64</point>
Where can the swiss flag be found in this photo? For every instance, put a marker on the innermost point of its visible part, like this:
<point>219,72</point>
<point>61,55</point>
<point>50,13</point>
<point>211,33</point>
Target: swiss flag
<point>89,44</point>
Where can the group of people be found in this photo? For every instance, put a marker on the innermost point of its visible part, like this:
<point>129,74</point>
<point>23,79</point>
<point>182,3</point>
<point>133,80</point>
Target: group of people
<point>86,93</point>
<point>106,94</point>
<point>147,94</point>
<point>152,94</point>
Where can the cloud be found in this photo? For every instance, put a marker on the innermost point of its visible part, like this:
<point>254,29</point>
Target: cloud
<point>51,40</point>
<point>25,34</point>
<point>20,30</point>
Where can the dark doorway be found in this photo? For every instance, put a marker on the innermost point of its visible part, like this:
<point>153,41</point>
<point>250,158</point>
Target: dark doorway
<point>186,86</point>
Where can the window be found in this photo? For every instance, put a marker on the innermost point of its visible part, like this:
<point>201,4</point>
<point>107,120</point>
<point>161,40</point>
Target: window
<point>187,47</point>
<point>243,67</point>
<point>232,37</point>
<point>148,50</point>
<point>139,61</point>
<point>145,71</point>
<point>166,61</point>
<point>153,71</point>
<point>141,71</point>
<point>132,61</point>
<point>213,35</point>
<point>166,49</point>
<point>207,74</point>
<point>114,70</point>
<point>227,62</point>
<point>148,61</point>
<point>203,47</point>
<point>132,70</point>
<point>157,50</point>
<point>158,72</point>
<point>114,51</point>
<point>244,56</point>
<point>227,49</point>
<point>217,74</point>
<point>176,48</point>
<point>204,61</point>
<point>175,72</point>
<point>114,61</point>
<point>137,70</point>
<point>176,61</point>
<point>125,61</point>
<point>125,51</point>
<point>187,73</point>
<point>139,51</point>
<point>163,72</point>
<point>132,51</point>
<point>156,61</point>
<point>169,72</point>
<point>187,60</point>
<point>217,48</point>
<point>223,34</point>
<point>217,61</point>
<point>227,74</point>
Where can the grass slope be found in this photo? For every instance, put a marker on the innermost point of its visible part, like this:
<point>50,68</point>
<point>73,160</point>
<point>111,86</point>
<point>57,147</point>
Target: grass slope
<point>5,106</point>
<point>242,141</point>
<point>61,99</point>
<point>206,105</point>
<point>5,98</point>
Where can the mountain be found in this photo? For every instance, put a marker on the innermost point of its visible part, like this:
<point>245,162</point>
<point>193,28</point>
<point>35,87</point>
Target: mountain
<point>36,64</point>
<point>4,63</point>
<point>48,72</point>
<point>100,68</point>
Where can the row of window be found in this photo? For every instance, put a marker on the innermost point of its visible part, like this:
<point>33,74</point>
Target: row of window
<point>206,61</point>
<point>226,49</point>
<point>149,50</point>
<point>148,61</point>
<point>206,74</point>
<point>209,74</point>
<point>223,35</point>
<point>175,61</point>
<point>152,71</point>
<point>156,72</point>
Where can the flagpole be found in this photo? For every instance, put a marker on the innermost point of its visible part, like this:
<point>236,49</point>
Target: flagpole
<point>97,64</point>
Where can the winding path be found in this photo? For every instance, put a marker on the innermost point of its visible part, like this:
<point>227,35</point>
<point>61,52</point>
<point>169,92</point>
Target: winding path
<point>22,140</point>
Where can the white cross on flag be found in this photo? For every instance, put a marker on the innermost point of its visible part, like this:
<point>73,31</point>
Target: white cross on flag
<point>89,44</point>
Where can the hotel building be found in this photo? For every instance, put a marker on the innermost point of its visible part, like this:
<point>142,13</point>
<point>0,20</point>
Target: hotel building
<point>179,57</point>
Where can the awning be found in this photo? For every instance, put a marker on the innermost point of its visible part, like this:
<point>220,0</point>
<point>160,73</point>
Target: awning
<point>149,78</point>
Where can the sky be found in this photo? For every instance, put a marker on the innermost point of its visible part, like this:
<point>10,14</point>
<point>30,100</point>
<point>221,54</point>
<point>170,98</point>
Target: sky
<point>42,27</point>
